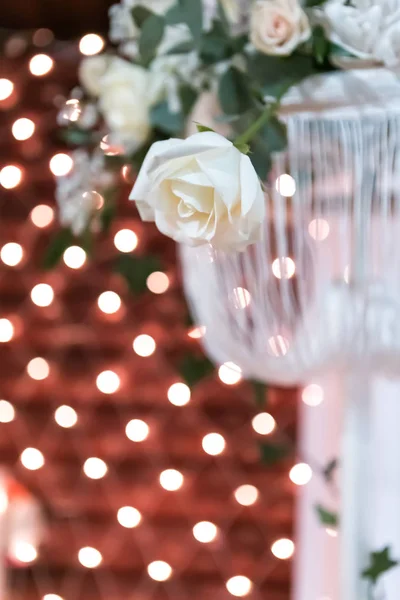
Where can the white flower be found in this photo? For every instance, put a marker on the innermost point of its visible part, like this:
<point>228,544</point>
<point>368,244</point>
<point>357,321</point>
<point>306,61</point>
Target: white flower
<point>91,71</point>
<point>201,190</point>
<point>368,29</point>
<point>74,196</point>
<point>278,26</point>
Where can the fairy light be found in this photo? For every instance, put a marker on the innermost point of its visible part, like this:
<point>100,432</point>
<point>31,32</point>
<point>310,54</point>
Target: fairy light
<point>95,468</point>
<point>229,373</point>
<point>23,129</point>
<point>61,164</point>
<point>263,424</point>
<point>144,345</point>
<point>300,474</point>
<point>179,394</point>
<point>89,557</point>
<point>319,229</point>
<point>40,65</point>
<point>23,552</point>
<point>91,44</point>
<point>6,330</point>
<point>205,532</point>
<point>196,333</point>
<point>277,346</point>
<point>11,254</point>
<point>241,298</point>
<point>213,444</point>
<point>74,257</point>
<point>38,368</point>
<point>137,430</point>
<point>157,282</point>
<point>65,416</point>
<point>109,302</point>
<point>129,517</point>
<point>6,89</point>
<point>283,549</point>
<point>125,240</point>
<point>42,295</point>
<point>239,586</point>
<point>32,459</point>
<point>159,570</point>
<point>283,268</point>
<point>246,495</point>
<point>42,215</point>
<point>70,112</point>
<point>285,185</point>
<point>171,480</point>
<point>312,395</point>
<point>108,382</point>
<point>7,412</point>
<point>10,177</point>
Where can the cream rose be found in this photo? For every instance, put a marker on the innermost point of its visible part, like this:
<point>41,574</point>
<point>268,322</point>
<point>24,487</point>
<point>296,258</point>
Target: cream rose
<point>91,71</point>
<point>201,190</point>
<point>278,26</point>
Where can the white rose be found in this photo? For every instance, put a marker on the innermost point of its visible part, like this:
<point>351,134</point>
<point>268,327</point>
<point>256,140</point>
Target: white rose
<point>201,190</point>
<point>91,71</point>
<point>278,26</point>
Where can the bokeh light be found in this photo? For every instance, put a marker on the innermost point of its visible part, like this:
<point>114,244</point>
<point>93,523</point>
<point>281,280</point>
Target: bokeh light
<point>179,394</point>
<point>263,423</point>
<point>239,586</point>
<point>137,430</point>
<point>24,552</point>
<point>91,44</point>
<point>196,333</point>
<point>312,395</point>
<point>10,177</point>
<point>95,468</point>
<point>171,480</point>
<point>38,368</point>
<point>65,416</point>
<point>40,65</point>
<point>283,268</point>
<point>300,474</point>
<point>6,88</point>
<point>144,345</point>
<point>52,597</point>
<point>6,330</point>
<point>74,257</point>
<point>109,302</point>
<point>229,373</point>
<point>129,517</point>
<point>42,215</point>
<point>89,557</point>
<point>125,240</point>
<point>108,382</point>
<point>11,254</point>
<point>157,282</point>
<point>246,495</point>
<point>213,444</point>
<point>159,570</point>
<point>205,532</point>
<point>7,412</point>
<point>319,229</point>
<point>42,294</point>
<point>32,459</point>
<point>241,298</point>
<point>61,164</point>
<point>283,549</point>
<point>23,129</point>
<point>285,185</point>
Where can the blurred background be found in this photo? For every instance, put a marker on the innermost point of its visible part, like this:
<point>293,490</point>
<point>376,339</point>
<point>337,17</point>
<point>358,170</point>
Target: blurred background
<point>130,468</point>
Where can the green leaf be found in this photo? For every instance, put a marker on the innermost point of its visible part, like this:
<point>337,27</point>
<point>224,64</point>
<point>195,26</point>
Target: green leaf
<point>192,14</point>
<point>151,36</point>
<point>273,452</point>
<point>193,369</point>
<point>260,393</point>
<point>243,148</point>
<point>76,137</point>
<point>380,562</point>
<point>215,45</point>
<point>188,97</point>
<point>140,15</point>
<point>274,74</point>
<point>327,517</point>
<point>329,470</point>
<point>174,15</point>
<point>203,128</point>
<point>182,48</point>
<point>276,134</point>
<point>57,247</point>
<point>165,120</point>
<point>136,269</point>
<point>234,92</point>
<point>312,3</point>
<point>321,45</point>
<point>269,139</point>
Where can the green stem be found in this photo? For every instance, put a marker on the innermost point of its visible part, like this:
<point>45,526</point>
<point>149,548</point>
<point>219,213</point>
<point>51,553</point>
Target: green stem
<point>248,135</point>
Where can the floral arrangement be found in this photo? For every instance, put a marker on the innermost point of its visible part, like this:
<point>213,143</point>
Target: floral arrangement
<point>209,71</point>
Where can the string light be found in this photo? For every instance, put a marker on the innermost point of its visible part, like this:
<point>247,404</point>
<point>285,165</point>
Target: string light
<point>129,517</point>
<point>213,444</point>
<point>109,302</point>
<point>74,257</point>
<point>246,495</point>
<point>319,229</point>
<point>61,164</point>
<point>95,468</point>
<point>159,570</point>
<point>23,129</point>
<point>89,557</point>
<point>91,44</point>
<point>300,474</point>
<point>285,185</point>
<point>108,382</point>
<point>10,177</point>
<point>32,459</point>
<point>283,268</point>
<point>40,65</point>
<point>229,373</point>
<point>42,294</point>
<point>65,416</point>
<point>38,368</point>
<point>7,412</point>
<point>241,298</point>
<point>144,345</point>
<point>6,330</point>
<point>42,215</point>
<point>263,423</point>
<point>125,240</point>
<point>312,395</point>
<point>171,480</point>
<point>6,89</point>
<point>23,552</point>
<point>137,430</point>
<point>179,394</point>
<point>239,586</point>
<point>157,282</point>
<point>196,333</point>
<point>283,549</point>
<point>11,254</point>
<point>205,532</point>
